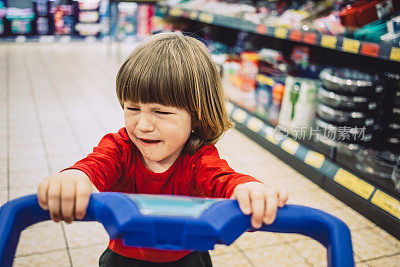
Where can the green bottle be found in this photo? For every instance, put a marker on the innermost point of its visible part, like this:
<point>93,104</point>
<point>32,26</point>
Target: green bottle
<point>294,97</point>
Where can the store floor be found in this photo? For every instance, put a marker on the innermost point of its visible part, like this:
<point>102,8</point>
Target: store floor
<point>58,100</point>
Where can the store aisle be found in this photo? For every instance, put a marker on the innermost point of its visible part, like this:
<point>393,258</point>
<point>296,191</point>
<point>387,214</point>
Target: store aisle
<point>58,100</point>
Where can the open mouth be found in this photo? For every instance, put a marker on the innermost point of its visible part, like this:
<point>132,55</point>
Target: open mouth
<point>149,141</point>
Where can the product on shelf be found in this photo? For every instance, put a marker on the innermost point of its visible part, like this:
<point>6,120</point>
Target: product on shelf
<point>329,24</point>
<point>379,31</point>
<point>20,20</point>
<point>248,71</point>
<point>348,134</point>
<point>64,19</point>
<point>363,12</point>
<point>350,81</point>
<point>392,112</point>
<point>298,104</point>
<point>377,163</point>
<point>273,63</point>
<point>88,4</point>
<point>327,143</point>
<point>144,14</point>
<point>43,8</point>
<point>240,79</point>
<point>127,23</point>
<point>278,91</point>
<point>348,118</point>
<point>44,16</point>
<point>263,95</point>
<point>335,17</point>
<point>347,102</point>
<point>88,17</point>
<point>43,26</point>
<point>104,13</point>
<point>88,29</point>
<point>2,14</point>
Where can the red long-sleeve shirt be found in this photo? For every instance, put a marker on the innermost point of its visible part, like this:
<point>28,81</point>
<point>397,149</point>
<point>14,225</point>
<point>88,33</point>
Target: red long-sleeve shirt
<point>115,165</point>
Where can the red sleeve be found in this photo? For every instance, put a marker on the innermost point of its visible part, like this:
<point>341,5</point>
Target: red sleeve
<point>104,165</point>
<point>212,175</point>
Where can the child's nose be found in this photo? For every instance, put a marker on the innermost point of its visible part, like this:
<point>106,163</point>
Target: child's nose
<point>145,123</point>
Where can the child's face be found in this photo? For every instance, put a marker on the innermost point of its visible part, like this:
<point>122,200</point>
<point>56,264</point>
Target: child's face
<point>159,132</point>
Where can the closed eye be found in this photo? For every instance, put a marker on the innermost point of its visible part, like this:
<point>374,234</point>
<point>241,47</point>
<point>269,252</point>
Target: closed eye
<point>163,112</point>
<point>133,109</point>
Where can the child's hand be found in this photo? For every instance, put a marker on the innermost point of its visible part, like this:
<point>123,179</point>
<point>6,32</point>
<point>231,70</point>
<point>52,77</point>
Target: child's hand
<point>66,195</point>
<point>260,200</point>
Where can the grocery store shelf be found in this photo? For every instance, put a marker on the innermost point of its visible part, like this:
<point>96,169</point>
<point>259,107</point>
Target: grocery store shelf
<point>381,51</point>
<point>50,39</point>
<point>374,203</point>
<point>65,39</point>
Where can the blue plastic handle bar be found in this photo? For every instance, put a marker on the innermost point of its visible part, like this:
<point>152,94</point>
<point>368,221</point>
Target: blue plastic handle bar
<point>218,222</point>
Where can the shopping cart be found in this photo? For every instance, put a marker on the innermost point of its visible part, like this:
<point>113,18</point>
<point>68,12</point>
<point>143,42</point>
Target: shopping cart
<point>180,223</point>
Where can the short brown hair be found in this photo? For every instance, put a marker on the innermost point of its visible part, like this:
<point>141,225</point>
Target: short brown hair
<point>176,70</point>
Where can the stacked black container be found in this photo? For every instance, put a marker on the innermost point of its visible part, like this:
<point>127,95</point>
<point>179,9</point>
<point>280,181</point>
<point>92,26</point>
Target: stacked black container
<point>392,122</point>
<point>365,105</point>
<point>44,16</point>
<point>349,107</point>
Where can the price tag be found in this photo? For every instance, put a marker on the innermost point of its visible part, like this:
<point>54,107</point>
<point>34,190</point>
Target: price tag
<point>90,39</point>
<point>290,146</point>
<point>239,115</point>
<point>295,35</point>
<point>193,15</point>
<point>369,49</point>
<point>315,159</point>
<point>353,183</point>
<point>387,203</point>
<point>281,32</point>
<point>395,54</point>
<point>261,29</point>
<point>20,39</point>
<point>351,46</point>
<point>271,138</point>
<point>206,18</point>
<point>176,12</point>
<point>65,39</point>
<point>46,39</point>
<point>328,41</point>
<point>185,14</point>
<point>255,124</point>
<point>310,38</point>
<point>265,80</point>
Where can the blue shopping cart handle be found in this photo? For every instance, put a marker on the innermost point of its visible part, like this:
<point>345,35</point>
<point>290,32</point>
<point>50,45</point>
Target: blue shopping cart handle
<point>180,223</point>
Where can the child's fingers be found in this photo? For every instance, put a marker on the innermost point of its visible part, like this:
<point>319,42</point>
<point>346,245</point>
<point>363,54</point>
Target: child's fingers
<point>54,199</point>
<point>258,207</point>
<point>243,198</point>
<point>83,192</point>
<point>68,200</point>
<point>271,208</point>
<point>42,193</point>
<point>283,198</point>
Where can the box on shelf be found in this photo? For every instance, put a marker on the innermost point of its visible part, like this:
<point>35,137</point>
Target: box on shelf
<point>20,20</point>
<point>127,20</point>
<point>64,19</point>
<point>299,104</point>
<point>2,15</point>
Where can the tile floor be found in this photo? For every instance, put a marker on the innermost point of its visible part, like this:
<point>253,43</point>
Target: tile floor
<point>58,100</point>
